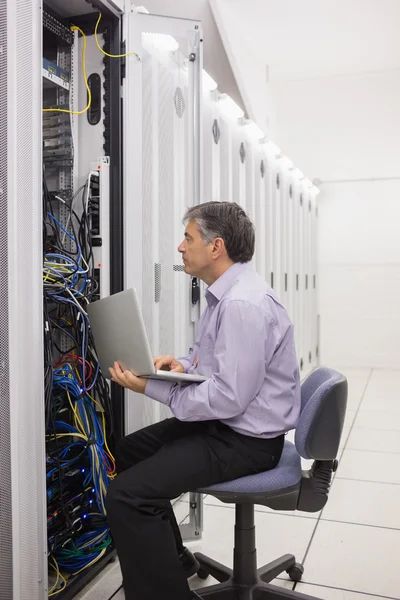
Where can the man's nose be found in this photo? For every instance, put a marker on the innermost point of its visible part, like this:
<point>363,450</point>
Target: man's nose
<point>181,247</point>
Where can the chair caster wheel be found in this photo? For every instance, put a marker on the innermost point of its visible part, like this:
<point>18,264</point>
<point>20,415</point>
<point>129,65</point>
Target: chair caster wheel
<point>202,573</point>
<point>296,572</point>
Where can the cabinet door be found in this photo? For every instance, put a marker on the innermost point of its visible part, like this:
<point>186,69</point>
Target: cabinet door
<point>162,175</point>
<point>23,570</point>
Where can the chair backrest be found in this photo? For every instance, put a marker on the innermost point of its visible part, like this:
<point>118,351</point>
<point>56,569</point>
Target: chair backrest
<point>323,409</point>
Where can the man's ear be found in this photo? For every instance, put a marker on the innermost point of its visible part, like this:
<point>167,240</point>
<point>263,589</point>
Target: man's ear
<point>218,248</point>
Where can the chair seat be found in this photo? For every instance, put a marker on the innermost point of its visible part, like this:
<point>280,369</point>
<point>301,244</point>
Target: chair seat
<point>285,475</point>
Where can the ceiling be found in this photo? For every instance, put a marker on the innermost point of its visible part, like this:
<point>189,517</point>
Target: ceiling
<point>315,38</point>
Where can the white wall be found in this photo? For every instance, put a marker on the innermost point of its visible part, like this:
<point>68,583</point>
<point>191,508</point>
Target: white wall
<point>345,128</point>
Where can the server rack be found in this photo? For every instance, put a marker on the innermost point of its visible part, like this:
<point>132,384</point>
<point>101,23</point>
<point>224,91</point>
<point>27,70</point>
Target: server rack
<point>156,102</point>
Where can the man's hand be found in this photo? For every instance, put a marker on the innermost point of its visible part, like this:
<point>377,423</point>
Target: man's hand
<point>168,363</point>
<point>127,379</point>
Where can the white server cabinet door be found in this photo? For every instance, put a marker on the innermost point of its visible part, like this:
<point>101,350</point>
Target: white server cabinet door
<point>250,204</point>
<point>23,544</point>
<point>162,170</point>
<point>260,214</point>
<point>239,155</point>
<point>211,153</point>
<point>276,198</point>
<point>290,278</point>
<point>313,283</point>
<point>268,182</point>
<point>296,208</point>
<point>302,342</point>
<point>283,240</point>
<point>225,143</point>
<point>307,291</point>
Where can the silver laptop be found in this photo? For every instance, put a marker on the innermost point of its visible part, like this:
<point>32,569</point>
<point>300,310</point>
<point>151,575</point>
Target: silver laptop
<point>120,336</point>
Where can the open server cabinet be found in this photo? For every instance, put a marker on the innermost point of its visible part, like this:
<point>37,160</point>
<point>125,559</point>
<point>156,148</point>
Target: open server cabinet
<point>115,176</point>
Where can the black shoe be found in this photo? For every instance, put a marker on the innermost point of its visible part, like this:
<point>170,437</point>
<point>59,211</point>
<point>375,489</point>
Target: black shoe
<point>190,564</point>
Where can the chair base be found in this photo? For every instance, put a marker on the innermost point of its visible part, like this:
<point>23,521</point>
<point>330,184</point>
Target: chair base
<point>245,581</point>
<point>260,591</point>
<point>228,589</point>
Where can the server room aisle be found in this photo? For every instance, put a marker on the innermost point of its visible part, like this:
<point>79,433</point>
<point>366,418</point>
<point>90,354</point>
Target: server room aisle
<point>350,549</point>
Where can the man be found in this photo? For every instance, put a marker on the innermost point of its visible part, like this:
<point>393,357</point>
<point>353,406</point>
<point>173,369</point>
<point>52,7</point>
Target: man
<point>230,426</point>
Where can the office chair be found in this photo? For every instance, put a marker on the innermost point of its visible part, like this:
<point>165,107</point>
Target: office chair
<point>287,487</point>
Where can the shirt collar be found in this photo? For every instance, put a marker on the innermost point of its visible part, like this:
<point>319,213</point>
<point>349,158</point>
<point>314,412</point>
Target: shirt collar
<point>226,281</point>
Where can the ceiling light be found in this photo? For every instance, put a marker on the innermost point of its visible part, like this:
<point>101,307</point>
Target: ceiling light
<point>254,130</point>
<point>209,85</point>
<point>142,9</point>
<point>229,107</point>
<point>298,174</point>
<point>272,148</point>
<point>285,162</point>
<point>162,41</point>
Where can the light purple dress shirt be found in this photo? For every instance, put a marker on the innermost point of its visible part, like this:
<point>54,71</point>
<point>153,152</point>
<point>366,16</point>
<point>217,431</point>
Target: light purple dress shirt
<point>245,347</point>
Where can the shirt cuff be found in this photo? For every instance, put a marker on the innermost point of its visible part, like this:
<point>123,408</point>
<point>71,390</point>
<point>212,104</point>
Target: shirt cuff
<point>159,390</point>
<point>186,363</point>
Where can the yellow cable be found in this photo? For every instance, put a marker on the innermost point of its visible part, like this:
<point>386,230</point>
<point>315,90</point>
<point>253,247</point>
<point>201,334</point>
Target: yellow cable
<point>52,591</point>
<point>77,112</point>
<point>103,51</point>
<point>105,438</point>
<point>77,421</point>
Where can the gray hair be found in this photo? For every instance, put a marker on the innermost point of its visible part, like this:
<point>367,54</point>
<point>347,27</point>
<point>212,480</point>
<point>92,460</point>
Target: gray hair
<point>228,221</point>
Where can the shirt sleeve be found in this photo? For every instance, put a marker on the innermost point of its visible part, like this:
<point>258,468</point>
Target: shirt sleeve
<point>241,356</point>
<point>186,361</point>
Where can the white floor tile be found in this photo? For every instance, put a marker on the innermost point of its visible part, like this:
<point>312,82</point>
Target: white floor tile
<point>366,559</point>
<point>276,535</point>
<point>375,440</point>
<point>369,466</point>
<point>325,593</point>
<point>354,373</point>
<point>357,387</point>
<point>350,417</point>
<point>385,420</point>
<point>343,439</point>
<point>365,503</point>
<point>383,391</point>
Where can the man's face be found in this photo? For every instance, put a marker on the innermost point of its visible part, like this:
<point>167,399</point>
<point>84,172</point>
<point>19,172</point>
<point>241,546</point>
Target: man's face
<point>196,254</point>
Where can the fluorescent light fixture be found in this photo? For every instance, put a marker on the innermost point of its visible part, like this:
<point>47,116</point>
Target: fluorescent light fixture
<point>142,9</point>
<point>229,107</point>
<point>162,41</point>
<point>209,85</point>
<point>298,174</point>
<point>285,162</point>
<point>254,130</point>
<point>272,148</point>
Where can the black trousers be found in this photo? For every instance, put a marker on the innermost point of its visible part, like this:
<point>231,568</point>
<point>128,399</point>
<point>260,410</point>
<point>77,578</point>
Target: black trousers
<point>156,465</point>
